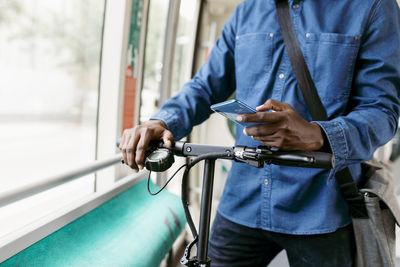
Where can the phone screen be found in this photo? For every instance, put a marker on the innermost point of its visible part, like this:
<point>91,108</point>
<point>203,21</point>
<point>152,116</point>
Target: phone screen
<point>232,108</point>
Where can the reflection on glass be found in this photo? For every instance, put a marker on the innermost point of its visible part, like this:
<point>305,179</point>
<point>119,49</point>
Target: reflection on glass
<point>49,65</point>
<point>158,13</point>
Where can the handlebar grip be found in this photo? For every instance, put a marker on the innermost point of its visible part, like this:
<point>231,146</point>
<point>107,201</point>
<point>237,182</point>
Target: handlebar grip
<point>310,159</point>
<point>323,160</point>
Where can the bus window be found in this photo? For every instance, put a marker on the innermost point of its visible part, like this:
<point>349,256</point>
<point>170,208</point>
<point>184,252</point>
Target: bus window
<point>49,64</point>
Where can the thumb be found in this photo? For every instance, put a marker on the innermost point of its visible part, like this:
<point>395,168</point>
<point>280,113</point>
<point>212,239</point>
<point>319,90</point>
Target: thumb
<point>167,138</point>
<point>271,104</point>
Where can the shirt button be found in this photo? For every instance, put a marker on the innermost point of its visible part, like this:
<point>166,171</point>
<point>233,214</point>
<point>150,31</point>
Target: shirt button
<point>296,6</point>
<point>266,181</point>
<point>271,35</point>
<point>237,37</point>
<point>281,76</point>
<point>308,35</point>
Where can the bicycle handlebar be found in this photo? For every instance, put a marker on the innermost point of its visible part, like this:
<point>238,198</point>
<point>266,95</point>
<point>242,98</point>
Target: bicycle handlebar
<point>255,156</point>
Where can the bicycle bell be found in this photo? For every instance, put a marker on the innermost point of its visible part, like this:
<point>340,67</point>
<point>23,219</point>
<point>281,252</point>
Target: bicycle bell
<point>159,160</point>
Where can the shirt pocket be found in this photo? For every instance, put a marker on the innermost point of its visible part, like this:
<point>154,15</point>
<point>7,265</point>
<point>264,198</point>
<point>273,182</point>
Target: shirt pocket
<point>331,59</point>
<point>253,59</point>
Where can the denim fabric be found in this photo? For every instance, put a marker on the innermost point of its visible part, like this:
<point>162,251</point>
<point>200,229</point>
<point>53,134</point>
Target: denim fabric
<point>233,245</point>
<point>352,49</point>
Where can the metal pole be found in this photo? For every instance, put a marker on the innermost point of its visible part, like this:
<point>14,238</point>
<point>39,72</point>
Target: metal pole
<point>27,190</point>
<point>205,211</point>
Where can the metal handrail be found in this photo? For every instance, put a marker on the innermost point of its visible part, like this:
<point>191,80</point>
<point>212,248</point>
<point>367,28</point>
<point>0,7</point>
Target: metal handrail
<point>30,189</point>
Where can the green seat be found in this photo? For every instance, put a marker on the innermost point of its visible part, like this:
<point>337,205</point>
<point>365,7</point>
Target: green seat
<point>132,229</point>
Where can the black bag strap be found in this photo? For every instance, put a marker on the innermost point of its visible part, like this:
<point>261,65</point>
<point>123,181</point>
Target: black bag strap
<point>348,186</point>
<point>298,63</point>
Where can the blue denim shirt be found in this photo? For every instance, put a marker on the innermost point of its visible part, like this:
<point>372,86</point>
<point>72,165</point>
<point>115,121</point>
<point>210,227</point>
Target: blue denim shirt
<point>352,48</point>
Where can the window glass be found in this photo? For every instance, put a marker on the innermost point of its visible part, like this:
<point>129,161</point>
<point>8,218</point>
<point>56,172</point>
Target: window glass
<point>49,65</point>
<point>153,58</point>
<point>183,55</point>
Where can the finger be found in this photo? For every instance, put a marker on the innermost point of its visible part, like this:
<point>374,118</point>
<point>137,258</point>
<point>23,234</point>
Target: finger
<point>271,141</point>
<point>144,141</point>
<point>122,140</point>
<point>262,130</point>
<point>123,146</point>
<point>131,151</point>
<point>168,138</point>
<point>268,117</point>
<point>272,104</point>
<point>124,156</point>
<point>267,139</point>
<point>276,140</point>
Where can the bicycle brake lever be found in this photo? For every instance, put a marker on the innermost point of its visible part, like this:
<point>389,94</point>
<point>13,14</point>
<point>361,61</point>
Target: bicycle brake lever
<point>186,260</point>
<point>249,157</point>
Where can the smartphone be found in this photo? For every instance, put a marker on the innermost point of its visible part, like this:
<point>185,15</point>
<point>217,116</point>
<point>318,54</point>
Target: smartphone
<point>232,108</point>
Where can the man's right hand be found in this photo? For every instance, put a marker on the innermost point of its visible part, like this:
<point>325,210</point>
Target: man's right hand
<point>135,141</point>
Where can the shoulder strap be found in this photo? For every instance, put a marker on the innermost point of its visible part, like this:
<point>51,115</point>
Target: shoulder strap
<point>298,63</point>
<point>347,185</point>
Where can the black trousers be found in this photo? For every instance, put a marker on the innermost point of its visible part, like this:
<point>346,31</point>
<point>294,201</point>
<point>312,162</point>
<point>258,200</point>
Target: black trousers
<point>232,245</point>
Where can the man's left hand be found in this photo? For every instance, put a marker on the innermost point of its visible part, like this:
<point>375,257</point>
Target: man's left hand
<point>284,128</point>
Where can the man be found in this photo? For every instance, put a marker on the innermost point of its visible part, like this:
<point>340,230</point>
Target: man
<point>352,50</point>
